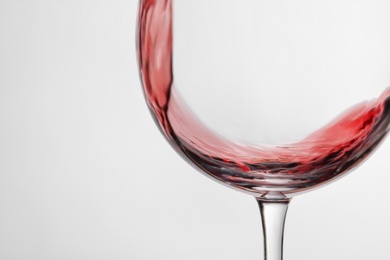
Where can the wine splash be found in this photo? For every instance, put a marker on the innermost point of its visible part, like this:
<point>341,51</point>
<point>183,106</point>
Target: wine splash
<point>262,170</point>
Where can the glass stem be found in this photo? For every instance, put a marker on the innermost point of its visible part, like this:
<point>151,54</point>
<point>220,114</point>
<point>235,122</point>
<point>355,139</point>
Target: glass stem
<point>273,215</point>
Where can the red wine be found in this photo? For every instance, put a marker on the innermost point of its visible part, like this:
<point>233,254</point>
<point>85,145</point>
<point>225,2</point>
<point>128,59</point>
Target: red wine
<point>329,152</point>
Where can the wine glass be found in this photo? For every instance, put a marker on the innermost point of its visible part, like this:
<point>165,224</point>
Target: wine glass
<point>271,98</point>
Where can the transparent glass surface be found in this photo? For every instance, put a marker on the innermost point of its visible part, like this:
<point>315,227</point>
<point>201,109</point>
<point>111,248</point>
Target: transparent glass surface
<point>273,72</point>
<point>272,98</point>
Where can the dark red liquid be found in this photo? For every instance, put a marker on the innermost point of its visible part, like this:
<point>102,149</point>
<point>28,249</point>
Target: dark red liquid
<point>263,170</point>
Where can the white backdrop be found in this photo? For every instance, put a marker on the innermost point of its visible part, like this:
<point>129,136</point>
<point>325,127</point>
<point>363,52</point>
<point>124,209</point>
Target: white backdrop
<point>84,173</point>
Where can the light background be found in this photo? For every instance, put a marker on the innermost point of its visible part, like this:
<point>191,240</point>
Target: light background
<point>84,173</point>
